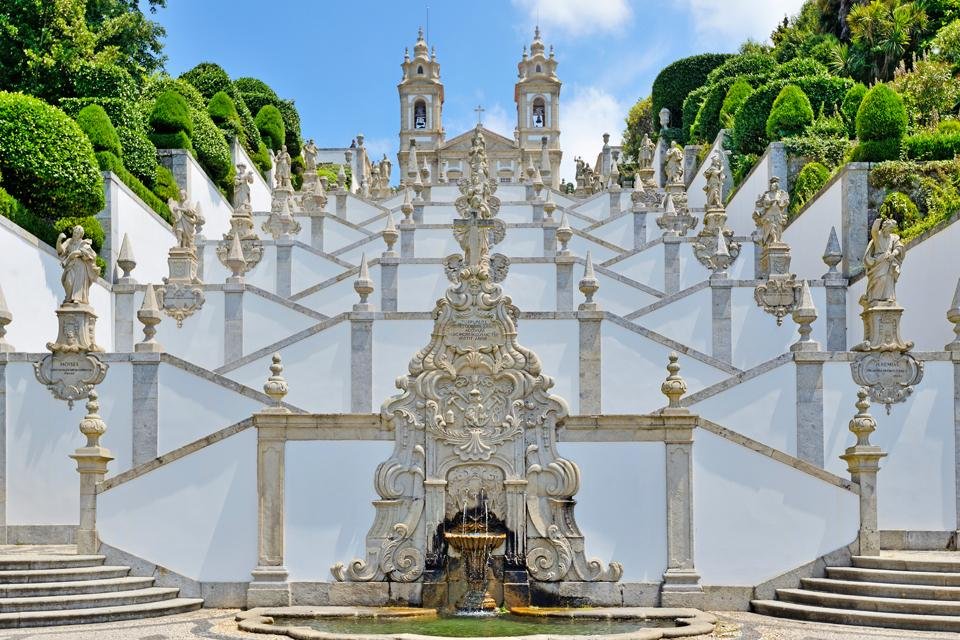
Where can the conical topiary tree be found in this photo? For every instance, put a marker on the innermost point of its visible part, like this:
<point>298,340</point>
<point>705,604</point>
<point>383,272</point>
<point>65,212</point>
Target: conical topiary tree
<point>881,125</point>
<point>790,114</point>
<point>270,124</point>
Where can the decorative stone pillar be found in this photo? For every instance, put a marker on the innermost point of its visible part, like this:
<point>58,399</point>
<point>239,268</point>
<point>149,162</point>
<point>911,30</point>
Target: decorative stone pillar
<point>639,227</point>
<point>564,266</point>
<point>836,294</point>
<point>671,264</point>
<point>241,221</point>
<point>681,579</point>
<point>389,266</point>
<point>615,199</point>
<point>809,366</point>
<point>550,238</point>
<point>123,299</point>
<point>854,213</point>
<point>3,437</point>
<point>146,383</point>
<point>721,290</point>
<point>590,318</point>
<point>863,463</point>
<point>316,229</point>
<point>361,344</point>
<point>92,462</point>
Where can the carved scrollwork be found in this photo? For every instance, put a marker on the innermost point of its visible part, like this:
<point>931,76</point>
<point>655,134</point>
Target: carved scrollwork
<point>400,560</point>
<point>550,562</point>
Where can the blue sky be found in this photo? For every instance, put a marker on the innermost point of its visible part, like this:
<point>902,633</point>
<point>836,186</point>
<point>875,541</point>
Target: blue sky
<point>340,61</point>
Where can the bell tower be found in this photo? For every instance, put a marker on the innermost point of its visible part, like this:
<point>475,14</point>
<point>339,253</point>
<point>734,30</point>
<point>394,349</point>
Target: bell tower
<point>537,94</point>
<point>421,106</point>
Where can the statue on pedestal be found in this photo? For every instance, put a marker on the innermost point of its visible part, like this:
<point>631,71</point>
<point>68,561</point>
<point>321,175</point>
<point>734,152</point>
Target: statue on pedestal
<point>770,213</point>
<point>79,262</point>
<point>310,156</point>
<point>673,164</point>
<point>282,174</point>
<point>241,189</point>
<point>645,155</point>
<point>714,182</point>
<point>187,221</point>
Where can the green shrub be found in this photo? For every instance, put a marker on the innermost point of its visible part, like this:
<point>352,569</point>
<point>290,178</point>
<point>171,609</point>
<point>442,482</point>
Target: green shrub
<point>691,107</point>
<point>12,210</point>
<point>95,80</point>
<point>171,114</point>
<point>809,181</point>
<point>46,160</point>
<point>209,78</point>
<point>96,124</point>
<point>929,90</point>
<point>881,115</point>
<point>745,64</point>
<point>178,140</point>
<point>674,82</point>
<point>110,162</point>
<point>790,114</point>
<point>254,85</point>
<point>828,151</point>
<point>224,114</point>
<point>741,164</point>
<point>826,125</point>
<point>291,126</point>
<point>798,68</point>
<point>706,126</point>
<point>946,44</point>
<point>92,230</point>
<point>930,145</point>
<point>877,150</point>
<point>262,159</point>
<point>900,207</point>
<point>270,124</point>
<point>737,94</point>
<point>850,106</point>
<point>165,185</point>
<point>949,126</point>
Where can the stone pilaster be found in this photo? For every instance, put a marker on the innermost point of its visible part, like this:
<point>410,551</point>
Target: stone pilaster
<point>681,578</point>
<point>284,267</point>
<point>341,204</point>
<point>123,315</point>
<point>3,449</point>
<point>418,213</point>
<point>269,587</point>
<point>590,360</point>
<point>316,230</point>
<point>564,264</point>
<point>615,202</point>
<point>836,319</point>
<point>361,362</point>
<point>550,238</point>
<point>639,229</point>
<point>200,241</point>
<point>232,321</point>
<point>389,283</point>
<point>671,264</point>
<point>407,230</point>
<point>690,153</point>
<point>809,367</point>
<point>863,463</point>
<point>855,213</point>
<point>145,406</point>
<point>92,462</point>
<point>537,209</point>
<point>955,355</point>
<point>721,290</point>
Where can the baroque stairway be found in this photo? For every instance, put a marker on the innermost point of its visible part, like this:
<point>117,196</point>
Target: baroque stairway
<point>43,585</point>
<point>899,589</point>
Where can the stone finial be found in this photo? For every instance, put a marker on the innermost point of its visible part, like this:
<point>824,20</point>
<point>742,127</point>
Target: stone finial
<point>549,206</point>
<point>276,387</point>
<point>390,235</point>
<point>363,285</point>
<point>342,178</point>
<point>235,260</point>
<point>407,207</point>
<point>149,317</point>
<point>953,315</point>
<point>92,425</point>
<point>5,318</point>
<point>832,255</point>
<point>804,315</point>
<point>863,424</point>
<point>564,234</point>
<point>126,261</point>
<point>417,189</point>
<point>589,285</point>
<point>674,387</point>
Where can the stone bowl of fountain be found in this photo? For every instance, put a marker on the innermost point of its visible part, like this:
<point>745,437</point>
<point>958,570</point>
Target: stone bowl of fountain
<point>475,546</point>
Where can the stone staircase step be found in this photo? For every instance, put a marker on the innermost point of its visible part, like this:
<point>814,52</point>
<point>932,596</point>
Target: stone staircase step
<point>860,618</point>
<point>31,562</point>
<point>105,585</point>
<point>99,614</point>
<point>87,600</point>
<point>61,575</point>
<point>890,576</point>
<point>868,603</point>
<point>881,589</point>
<point>907,563</point>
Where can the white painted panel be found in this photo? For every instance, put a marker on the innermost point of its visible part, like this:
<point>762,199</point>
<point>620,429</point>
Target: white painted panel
<point>394,343</point>
<point>192,407</point>
<point>150,238</point>
<point>517,213</point>
<point>615,296</point>
<point>326,527</point>
<point>308,269</point>
<point>636,535</point>
<point>214,207</point>
<point>340,296</point>
<point>743,267</point>
<point>435,243</point>
<point>689,320</point>
<point>200,339</point>
<point>261,195</point>
<point>618,231</point>
<point>372,247</point>
<point>579,246</point>
<point>264,275</point>
<point>317,369</point>
<point>741,205</point>
<point>756,518</point>
<point>916,484</point>
<point>645,267</point>
<point>359,210</point>
<point>691,271</point>
<point>266,322</point>
<point>420,286</point>
<point>633,367</point>
<point>440,214</point>
<point>556,343</point>
<point>755,335</point>
<point>763,408</point>
<point>337,235</point>
<point>196,516</point>
<point>526,242</point>
<point>807,234</point>
<point>532,286</point>
<point>597,206</point>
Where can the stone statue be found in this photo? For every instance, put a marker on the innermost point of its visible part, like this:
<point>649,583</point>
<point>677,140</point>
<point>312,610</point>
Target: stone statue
<point>241,188</point>
<point>664,116</point>
<point>645,156</point>
<point>714,182</point>
<point>79,262</point>
<point>770,214</point>
<point>673,164</point>
<point>283,169</point>
<point>883,260</point>
<point>187,220</point>
<point>310,156</point>
<point>386,168</point>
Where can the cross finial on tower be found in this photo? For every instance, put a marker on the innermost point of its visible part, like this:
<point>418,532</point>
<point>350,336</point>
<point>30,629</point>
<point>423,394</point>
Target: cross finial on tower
<point>536,32</point>
<point>479,109</point>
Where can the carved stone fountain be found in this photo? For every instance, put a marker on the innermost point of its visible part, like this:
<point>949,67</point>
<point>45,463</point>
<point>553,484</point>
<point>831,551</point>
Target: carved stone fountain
<point>476,431</point>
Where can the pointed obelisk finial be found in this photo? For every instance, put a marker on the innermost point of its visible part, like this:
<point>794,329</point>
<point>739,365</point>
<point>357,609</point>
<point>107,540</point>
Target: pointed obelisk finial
<point>804,315</point>
<point>126,261</point>
<point>589,285</point>
<point>832,255</point>
<point>363,285</point>
<point>390,236</point>
<point>235,261</point>
<point>149,316</point>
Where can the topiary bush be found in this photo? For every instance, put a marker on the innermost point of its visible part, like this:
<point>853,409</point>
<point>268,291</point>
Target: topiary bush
<point>809,181</point>
<point>209,78</point>
<point>800,67</point>
<point>165,185</point>
<point>46,160</point>
<point>291,127</point>
<point>262,159</point>
<point>675,81</point>
<point>92,230</point>
<point>932,145</point>
<point>110,162</point>
<point>171,121</point>
<point>745,64</point>
<point>790,114</point>
<point>900,207</point>
<point>737,94</point>
<point>270,124</point>
<point>96,124</point>
<point>224,114</point>
<point>949,126</point>
<point>97,80</point>
<point>691,107</point>
<point>11,209</point>
<point>706,126</point>
<point>881,125</point>
<point>850,106</point>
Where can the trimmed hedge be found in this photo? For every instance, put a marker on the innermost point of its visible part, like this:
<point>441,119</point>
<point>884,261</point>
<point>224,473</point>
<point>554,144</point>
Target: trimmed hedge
<point>691,107</point>
<point>930,145</point>
<point>790,114</point>
<point>110,162</point>
<point>270,123</point>
<point>737,94</point>
<point>881,115</point>
<point>95,80</point>
<point>165,185</point>
<point>850,106</point>
<point>224,114</point>
<point>809,181</point>
<point>92,230</point>
<point>706,126</point>
<point>46,160</point>
<point>171,114</point>
<point>262,159</point>
<point>933,186</point>
<point>745,64</point>
<point>900,207</point>
<point>800,67</point>
<point>949,126</point>
<point>96,124</point>
<point>291,127</point>
<point>11,209</point>
<point>674,82</point>
<point>209,78</point>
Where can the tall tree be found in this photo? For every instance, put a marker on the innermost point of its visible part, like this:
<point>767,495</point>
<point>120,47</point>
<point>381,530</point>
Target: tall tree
<point>886,31</point>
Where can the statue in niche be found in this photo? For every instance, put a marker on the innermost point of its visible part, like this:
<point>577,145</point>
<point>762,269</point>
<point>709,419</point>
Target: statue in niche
<point>187,221</point>
<point>283,162</point>
<point>645,156</point>
<point>883,261</point>
<point>714,182</point>
<point>310,156</point>
<point>241,188</point>
<point>770,214</point>
<point>673,164</point>
<point>79,262</point>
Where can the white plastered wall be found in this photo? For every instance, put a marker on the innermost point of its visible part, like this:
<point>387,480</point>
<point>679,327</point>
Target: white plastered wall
<point>808,233</point>
<point>150,237</point>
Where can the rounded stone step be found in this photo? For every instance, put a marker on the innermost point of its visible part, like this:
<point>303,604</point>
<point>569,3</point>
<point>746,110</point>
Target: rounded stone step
<point>88,600</point>
<point>29,562</point>
<point>860,618</point>
<point>61,575</point>
<point>99,614</point>
<point>937,578</point>
<point>908,563</point>
<point>106,585</point>
<point>881,589</point>
<point>869,603</point>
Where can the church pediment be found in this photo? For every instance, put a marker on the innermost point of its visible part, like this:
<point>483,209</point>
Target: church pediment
<point>495,142</point>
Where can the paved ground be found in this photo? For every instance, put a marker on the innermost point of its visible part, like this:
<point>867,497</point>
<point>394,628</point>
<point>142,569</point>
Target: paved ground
<point>218,624</point>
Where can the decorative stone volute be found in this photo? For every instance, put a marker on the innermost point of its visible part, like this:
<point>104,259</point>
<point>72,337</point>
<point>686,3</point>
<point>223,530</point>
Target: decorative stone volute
<point>126,261</point>
<point>276,387</point>
<point>674,387</point>
<point>363,285</point>
<point>281,225</point>
<point>589,285</point>
<point>149,316</point>
<point>673,222</point>
<point>5,318</point>
<point>241,223</point>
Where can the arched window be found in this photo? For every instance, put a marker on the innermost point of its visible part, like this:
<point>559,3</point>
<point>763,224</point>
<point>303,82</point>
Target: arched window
<point>420,70</point>
<point>539,70</point>
<point>420,115</point>
<point>539,114</point>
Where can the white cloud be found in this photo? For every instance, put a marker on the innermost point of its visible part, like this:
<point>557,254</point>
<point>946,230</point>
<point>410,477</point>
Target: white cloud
<point>576,17</point>
<point>722,22</point>
<point>497,119</point>
<point>584,119</point>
